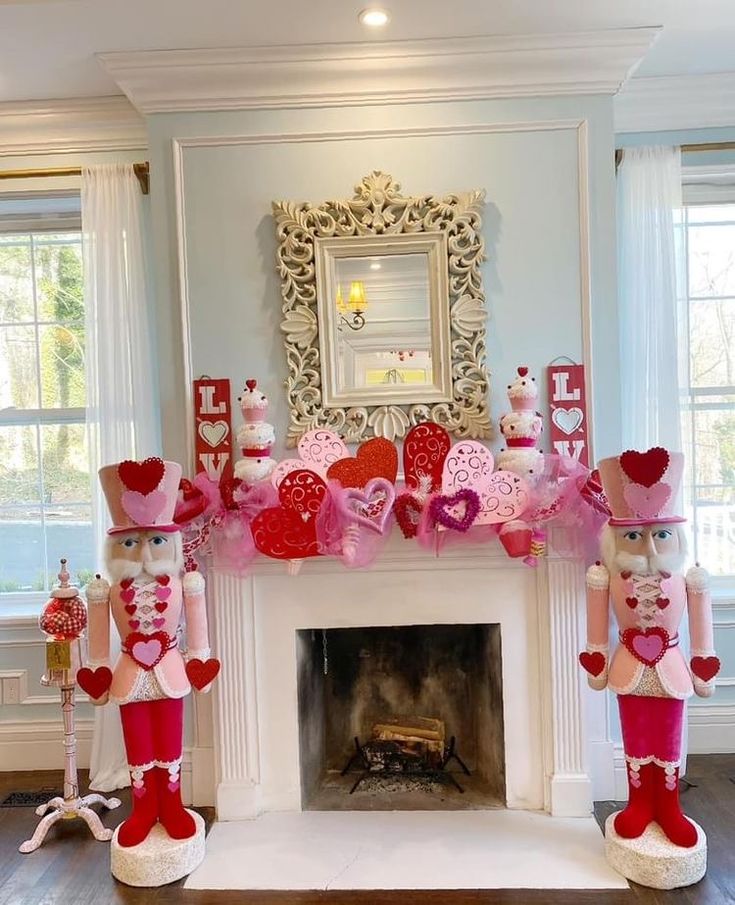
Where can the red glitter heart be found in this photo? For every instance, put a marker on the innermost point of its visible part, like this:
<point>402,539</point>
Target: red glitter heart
<point>424,451</point>
<point>378,458</point>
<point>408,512</point>
<point>143,477</point>
<point>593,662</point>
<point>645,468</point>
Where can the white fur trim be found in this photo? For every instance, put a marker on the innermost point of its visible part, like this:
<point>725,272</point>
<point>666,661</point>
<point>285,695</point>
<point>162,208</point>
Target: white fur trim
<point>193,583</point>
<point>702,652</point>
<point>98,591</point>
<point>598,578</point>
<point>697,579</point>
<point>598,649</point>
<point>96,664</point>
<point>203,653</point>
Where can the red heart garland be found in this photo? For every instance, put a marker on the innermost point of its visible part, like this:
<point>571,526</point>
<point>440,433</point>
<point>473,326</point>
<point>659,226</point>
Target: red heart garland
<point>144,477</point>
<point>201,672</point>
<point>645,468</point>
<point>705,668</point>
<point>593,662</point>
<point>288,531</point>
<point>94,682</point>
<point>378,458</point>
<point>424,450</point>
<point>408,512</point>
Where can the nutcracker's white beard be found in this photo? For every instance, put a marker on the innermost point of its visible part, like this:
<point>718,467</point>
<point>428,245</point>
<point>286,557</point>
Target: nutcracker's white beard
<point>622,561</point>
<point>119,569</point>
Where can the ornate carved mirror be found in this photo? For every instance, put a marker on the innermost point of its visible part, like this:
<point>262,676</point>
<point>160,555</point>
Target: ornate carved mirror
<point>384,312</point>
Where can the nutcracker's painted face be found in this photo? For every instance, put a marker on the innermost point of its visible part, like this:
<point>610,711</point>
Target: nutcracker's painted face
<point>644,549</point>
<point>154,552</point>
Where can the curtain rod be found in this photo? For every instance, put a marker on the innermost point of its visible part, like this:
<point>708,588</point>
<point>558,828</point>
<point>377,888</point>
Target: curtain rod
<point>141,170</point>
<point>688,149</point>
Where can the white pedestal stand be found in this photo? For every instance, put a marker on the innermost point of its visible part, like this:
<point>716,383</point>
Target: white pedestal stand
<point>158,859</point>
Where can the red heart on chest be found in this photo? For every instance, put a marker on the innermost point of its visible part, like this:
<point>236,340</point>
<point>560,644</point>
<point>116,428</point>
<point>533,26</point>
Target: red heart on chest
<point>424,450</point>
<point>127,595</point>
<point>201,672</point>
<point>142,477</point>
<point>378,458</point>
<point>147,650</point>
<point>288,531</point>
<point>647,646</point>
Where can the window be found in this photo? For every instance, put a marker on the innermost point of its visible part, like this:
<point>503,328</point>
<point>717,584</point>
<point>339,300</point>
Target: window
<point>45,490</point>
<point>708,411</point>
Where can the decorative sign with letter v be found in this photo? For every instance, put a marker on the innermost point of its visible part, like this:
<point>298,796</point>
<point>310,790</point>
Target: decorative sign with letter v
<point>213,428</point>
<point>568,412</point>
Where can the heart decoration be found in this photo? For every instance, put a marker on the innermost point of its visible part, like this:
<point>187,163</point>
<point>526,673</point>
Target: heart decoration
<point>163,579</point>
<point>424,451</point>
<point>163,592</point>
<point>126,582</point>
<point>377,458</point>
<point>130,608</point>
<point>408,511</point>
<point>632,602</point>
<point>143,477</point>
<point>645,468</point>
<point>147,650</point>
<point>645,501</point>
<point>705,668</point>
<point>503,495</point>
<point>444,509</point>
<point>288,531</point>
<point>190,504</point>
<point>251,383</point>
<point>202,672</point>
<point>160,606</point>
<point>213,432</point>
<point>592,661</point>
<point>370,507</point>
<point>65,617</point>
<point>95,682</point>
<point>127,595</point>
<point>143,508</point>
<point>647,646</point>
<point>568,420</point>
<point>227,488</point>
<point>318,449</point>
<point>662,602</point>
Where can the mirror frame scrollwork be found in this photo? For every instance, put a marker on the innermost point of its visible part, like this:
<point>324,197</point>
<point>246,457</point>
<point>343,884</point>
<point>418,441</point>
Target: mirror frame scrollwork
<point>379,209</point>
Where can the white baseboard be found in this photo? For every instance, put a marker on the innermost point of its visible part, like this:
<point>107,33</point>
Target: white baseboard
<point>711,728</point>
<point>38,744</point>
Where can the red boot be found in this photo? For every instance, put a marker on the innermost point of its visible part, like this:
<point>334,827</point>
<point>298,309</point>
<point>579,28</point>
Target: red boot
<point>145,809</point>
<point>667,810</point>
<point>177,822</point>
<point>631,822</point>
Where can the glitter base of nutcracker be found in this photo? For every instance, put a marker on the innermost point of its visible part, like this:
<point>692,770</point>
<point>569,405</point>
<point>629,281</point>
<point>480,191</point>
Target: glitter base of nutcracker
<point>651,860</point>
<point>158,859</point>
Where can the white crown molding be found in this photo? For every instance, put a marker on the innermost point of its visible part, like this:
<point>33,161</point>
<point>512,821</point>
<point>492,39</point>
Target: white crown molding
<point>382,72</point>
<point>70,126</point>
<point>676,102</point>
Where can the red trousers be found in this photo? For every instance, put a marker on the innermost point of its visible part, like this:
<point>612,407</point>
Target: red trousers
<point>153,732</point>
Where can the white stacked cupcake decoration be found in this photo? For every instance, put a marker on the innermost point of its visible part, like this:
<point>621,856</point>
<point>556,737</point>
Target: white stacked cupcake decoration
<point>255,437</point>
<point>521,429</point>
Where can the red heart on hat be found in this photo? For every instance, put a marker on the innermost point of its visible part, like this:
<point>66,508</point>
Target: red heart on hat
<point>94,681</point>
<point>201,672</point>
<point>645,468</point>
<point>378,458</point>
<point>705,668</point>
<point>424,450</point>
<point>142,477</point>
<point>593,662</point>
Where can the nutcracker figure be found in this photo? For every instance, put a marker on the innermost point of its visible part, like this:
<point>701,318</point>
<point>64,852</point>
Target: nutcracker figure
<point>643,550</point>
<point>146,595</point>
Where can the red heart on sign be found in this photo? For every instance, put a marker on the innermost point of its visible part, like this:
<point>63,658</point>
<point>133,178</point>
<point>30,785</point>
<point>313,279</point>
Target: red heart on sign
<point>645,468</point>
<point>408,513</point>
<point>424,450</point>
<point>378,458</point>
<point>143,477</point>
<point>95,682</point>
<point>288,531</point>
<point>201,672</point>
<point>593,662</point>
<point>705,668</point>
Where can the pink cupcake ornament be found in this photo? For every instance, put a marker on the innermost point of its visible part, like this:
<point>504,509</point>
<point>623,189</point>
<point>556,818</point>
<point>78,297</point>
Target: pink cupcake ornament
<point>255,436</point>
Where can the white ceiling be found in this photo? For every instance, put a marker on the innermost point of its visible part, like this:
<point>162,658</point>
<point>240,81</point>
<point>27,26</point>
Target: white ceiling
<point>47,47</point>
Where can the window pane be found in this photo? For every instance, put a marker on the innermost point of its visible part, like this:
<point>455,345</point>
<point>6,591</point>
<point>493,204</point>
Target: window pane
<point>18,368</point>
<point>22,564</point>
<point>19,466</point>
<point>712,342</point>
<point>69,535</point>
<point>714,439</point>
<point>59,285</point>
<point>65,465</point>
<point>711,213</point>
<point>16,283</point>
<point>62,366</point>
<point>711,260</point>
<point>715,531</point>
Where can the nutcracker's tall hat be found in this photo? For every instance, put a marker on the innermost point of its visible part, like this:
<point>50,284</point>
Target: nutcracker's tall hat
<point>141,494</point>
<point>641,488</point>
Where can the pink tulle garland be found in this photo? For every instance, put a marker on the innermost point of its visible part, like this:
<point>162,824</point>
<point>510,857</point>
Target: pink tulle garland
<point>341,536</point>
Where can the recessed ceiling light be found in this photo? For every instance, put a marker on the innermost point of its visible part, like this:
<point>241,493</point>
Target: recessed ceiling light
<point>374,17</point>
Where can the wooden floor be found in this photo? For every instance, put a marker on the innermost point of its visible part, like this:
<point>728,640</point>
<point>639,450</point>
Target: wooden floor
<point>72,869</point>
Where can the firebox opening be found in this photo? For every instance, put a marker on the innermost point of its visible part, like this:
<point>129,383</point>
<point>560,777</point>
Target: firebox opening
<point>410,709</point>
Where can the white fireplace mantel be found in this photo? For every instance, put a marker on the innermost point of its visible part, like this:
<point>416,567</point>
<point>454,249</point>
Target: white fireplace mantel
<point>254,624</point>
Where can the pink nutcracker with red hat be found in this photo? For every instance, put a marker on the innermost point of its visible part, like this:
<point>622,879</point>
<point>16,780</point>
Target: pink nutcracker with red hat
<point>644,549</point>
<point>146,597</point>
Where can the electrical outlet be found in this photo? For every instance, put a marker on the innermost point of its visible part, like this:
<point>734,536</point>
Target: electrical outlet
<point>13,685</point>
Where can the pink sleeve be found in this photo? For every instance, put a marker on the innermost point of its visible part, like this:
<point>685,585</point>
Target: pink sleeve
<point>197,632</point>
<point>701,634</point>
<point>598,624</point>
<point>98,605</point>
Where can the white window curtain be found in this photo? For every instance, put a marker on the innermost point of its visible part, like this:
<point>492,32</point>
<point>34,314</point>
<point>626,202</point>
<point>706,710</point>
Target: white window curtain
<point>649,262</point>
<point>122,409</point>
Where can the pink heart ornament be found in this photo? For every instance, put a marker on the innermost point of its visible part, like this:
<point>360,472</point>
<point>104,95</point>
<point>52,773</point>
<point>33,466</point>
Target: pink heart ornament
<point>647,502</point>
<point>321,448</point>
<point>146,652</point>
<point>503,495</point>
<point>159,622</point>
<point>139,791</point>
<point>163,593</point>
<point>127,595</point>
<point>362,506</point>
<point>173,786</point>
<point>648,646</point>
<point>284,468</point>
<point>143,509</point>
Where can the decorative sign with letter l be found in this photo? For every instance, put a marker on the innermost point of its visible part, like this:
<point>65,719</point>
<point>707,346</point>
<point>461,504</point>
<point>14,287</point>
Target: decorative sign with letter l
<point>213,425</point>
<point>568,416</point>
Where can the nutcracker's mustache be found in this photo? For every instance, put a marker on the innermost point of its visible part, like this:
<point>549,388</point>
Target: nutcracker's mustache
<point>649,565</point>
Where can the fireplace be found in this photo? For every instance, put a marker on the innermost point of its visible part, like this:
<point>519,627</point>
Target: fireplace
<point>401,717</point>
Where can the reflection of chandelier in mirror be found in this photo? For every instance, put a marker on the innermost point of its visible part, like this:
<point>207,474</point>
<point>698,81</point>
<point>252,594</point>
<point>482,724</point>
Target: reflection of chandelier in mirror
<point>354,307</point>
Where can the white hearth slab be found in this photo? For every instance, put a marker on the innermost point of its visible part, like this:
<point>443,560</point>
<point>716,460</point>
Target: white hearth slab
<point>500,849</point>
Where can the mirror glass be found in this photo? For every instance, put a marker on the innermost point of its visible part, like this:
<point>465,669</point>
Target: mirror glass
<point>382,323</point>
